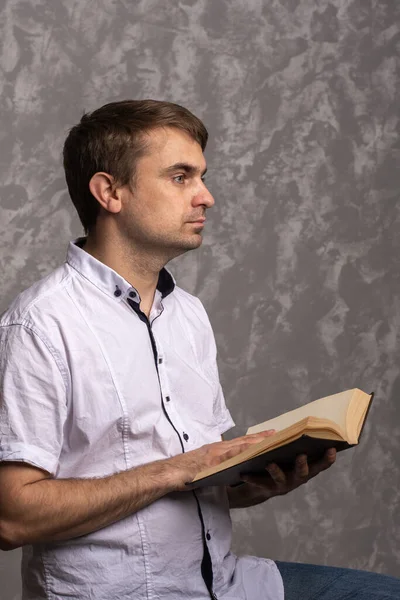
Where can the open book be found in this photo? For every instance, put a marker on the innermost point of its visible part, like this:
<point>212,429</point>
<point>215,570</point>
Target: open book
<point>333,421</point>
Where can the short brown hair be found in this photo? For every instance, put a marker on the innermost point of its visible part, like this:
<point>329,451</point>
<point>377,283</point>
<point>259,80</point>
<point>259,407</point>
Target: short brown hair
<point>111,139</point>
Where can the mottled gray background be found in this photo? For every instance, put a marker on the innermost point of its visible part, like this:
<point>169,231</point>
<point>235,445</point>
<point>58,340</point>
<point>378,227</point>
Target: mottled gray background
<point>299,267</point>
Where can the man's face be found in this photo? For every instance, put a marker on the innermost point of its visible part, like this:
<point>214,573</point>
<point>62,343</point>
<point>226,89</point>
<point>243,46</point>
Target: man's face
<point>166,208</point>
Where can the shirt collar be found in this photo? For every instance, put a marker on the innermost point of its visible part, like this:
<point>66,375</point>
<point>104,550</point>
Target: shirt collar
<point>108,280</point>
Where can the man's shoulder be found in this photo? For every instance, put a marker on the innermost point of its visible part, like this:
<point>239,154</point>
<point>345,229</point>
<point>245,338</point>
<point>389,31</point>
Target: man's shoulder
<point>193,310</point>
<point>40,297</point>
<point>189,302</point>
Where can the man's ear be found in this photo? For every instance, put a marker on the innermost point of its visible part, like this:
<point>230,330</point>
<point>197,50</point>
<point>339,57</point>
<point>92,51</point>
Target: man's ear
<point>102,187</point>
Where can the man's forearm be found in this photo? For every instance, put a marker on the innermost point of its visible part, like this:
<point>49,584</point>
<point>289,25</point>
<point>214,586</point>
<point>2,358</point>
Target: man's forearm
<point>61,509</point>
<point>37,508</point>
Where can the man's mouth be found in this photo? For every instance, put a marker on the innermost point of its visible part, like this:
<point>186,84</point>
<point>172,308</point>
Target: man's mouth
<point>199,220</point>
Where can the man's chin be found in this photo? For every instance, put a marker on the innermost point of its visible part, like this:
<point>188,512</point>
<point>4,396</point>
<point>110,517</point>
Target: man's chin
<point>195,240</point>
<point>187,243</point>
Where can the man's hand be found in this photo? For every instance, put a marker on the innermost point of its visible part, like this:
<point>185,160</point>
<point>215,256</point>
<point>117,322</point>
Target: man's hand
<point>184,467</point>
<point>275,482</point>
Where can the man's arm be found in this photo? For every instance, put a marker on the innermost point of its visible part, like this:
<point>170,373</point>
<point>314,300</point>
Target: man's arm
<point>259,488</point>
<point>34,507</point>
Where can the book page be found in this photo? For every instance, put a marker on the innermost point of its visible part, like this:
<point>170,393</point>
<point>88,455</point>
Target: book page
<point>323,419</point>
<point>331,407</point>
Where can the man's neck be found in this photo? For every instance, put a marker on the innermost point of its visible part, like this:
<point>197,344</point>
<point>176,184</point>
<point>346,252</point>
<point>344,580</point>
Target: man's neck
<point>137,267</point>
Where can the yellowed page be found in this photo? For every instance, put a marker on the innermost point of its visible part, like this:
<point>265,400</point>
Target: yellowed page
<point>356,414</point>
<point>332,407</point>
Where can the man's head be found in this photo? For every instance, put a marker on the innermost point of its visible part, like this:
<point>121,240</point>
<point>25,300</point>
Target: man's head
<point>140,163</point>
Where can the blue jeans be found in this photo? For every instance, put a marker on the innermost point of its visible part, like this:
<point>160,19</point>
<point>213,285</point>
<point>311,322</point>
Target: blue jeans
<point>313,582</point>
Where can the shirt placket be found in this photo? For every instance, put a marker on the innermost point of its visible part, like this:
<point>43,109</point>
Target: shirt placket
<point>169,401</point>
<point>174,419</point>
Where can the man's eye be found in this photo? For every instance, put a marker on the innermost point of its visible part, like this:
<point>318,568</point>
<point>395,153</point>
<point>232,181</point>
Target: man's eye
<point>179,178</point>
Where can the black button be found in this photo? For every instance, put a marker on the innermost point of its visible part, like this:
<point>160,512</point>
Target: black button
<point>117,291</point>
<point>208,536</point>
<point>168,398</point>
<point>160,360</point>
<point>185,437</point>
<point>132,294</point>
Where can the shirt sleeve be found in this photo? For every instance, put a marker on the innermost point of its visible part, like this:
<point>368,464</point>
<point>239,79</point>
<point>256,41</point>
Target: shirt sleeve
<point>221,413</point>
<point>33,398</point>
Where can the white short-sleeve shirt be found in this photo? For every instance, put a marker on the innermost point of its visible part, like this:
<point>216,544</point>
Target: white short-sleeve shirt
<point>88,388</point>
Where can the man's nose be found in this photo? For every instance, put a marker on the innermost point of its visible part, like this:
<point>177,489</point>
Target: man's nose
<point>203,197</point>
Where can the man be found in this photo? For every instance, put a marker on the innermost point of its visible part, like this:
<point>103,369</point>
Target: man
<point>110,398</point>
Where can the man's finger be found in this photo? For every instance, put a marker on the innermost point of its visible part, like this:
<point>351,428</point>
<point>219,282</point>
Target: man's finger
<point>324,463</point>
<point>301,467</point>
<point>252,438</point>
<point>260,435</point>
<point>331,455</point>
<point>234,450</point>
<point>261,480</point>
<point>276,473</point>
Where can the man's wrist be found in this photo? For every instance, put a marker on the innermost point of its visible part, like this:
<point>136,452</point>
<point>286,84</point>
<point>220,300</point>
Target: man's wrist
<point>172,475</point>
<point>165,475</point>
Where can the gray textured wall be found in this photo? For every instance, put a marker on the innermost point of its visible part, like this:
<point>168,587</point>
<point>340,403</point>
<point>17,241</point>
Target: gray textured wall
<point>299,267</point>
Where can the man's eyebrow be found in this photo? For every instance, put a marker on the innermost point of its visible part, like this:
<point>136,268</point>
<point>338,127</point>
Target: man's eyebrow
<point>182,166</point>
